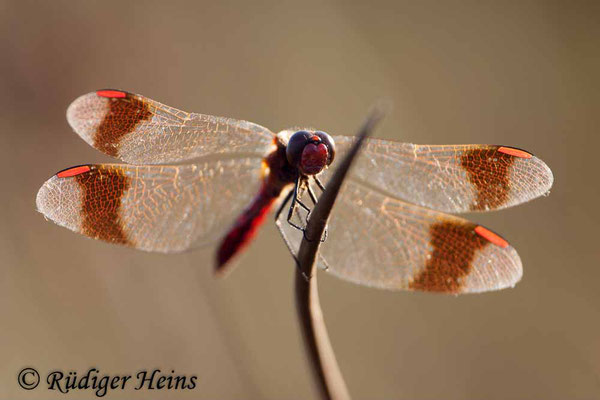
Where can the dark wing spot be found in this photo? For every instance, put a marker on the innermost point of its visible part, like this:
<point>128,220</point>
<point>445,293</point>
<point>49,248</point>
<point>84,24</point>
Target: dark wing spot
<point>488,171</point>
<point>123,116</point>
<point>454,245</point>
<point>103,190</point>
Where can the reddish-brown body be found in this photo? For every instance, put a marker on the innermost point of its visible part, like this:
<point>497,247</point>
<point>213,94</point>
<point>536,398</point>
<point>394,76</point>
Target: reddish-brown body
<point>279,174</point>
<point>385,241</point>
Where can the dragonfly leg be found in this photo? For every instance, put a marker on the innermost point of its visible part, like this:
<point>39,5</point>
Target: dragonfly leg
<point>313,197</point>
<point>303,205</point>
<point>319,184</point>
<point>293,204</point>
<point>322,187</point>
<point>282,206</point>
<point>296,201</point>
<point>288,197</point>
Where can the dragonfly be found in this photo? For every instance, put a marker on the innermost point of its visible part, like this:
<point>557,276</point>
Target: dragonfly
<point>191,180</point>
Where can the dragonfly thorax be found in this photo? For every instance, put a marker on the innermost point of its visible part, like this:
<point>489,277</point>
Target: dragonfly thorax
<point>310,151</point>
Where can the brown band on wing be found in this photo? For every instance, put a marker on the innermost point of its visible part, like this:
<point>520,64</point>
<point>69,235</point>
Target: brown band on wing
<point>454,246</point>
<point>103,190</point>
<point>122,117</point>
<point>488,171</point>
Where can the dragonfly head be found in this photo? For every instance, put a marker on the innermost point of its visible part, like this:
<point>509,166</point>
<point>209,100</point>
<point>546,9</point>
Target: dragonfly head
<point>310,151</point>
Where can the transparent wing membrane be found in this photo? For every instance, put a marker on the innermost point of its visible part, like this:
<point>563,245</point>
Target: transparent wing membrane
<point>449,178</point>
<point>388,228</point>
<point>139,130</point>
<point>152,208</point>
<point>379,241</point>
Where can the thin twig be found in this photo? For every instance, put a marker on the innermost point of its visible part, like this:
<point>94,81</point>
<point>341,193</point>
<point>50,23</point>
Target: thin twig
<point>325,368</point>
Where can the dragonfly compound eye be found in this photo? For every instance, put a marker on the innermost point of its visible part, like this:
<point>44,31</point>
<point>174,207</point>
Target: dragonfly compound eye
<point>310,152</point>
<point>328,142</point>
<point>295,147</point>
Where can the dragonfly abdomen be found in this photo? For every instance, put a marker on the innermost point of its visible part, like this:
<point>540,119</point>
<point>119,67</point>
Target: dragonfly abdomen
<point>245,227</point>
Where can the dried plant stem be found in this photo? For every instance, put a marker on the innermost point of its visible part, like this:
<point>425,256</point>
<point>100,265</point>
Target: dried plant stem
<point>325,368</point>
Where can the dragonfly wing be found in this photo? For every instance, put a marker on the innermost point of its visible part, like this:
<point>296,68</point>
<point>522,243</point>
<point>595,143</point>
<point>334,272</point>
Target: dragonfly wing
<point>139,130</point>
<point>449,178</point>
<point>379,241</point>
<point>153,208</point>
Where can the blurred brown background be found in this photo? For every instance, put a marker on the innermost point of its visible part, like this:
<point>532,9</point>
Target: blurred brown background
<point>517,73</point>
